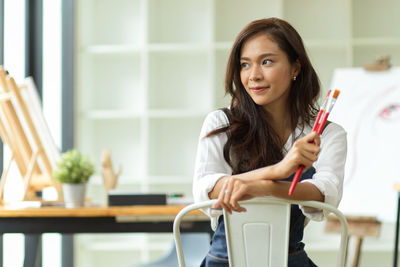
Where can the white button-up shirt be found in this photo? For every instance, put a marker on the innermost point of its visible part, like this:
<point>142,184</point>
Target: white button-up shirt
<point>210,164</point>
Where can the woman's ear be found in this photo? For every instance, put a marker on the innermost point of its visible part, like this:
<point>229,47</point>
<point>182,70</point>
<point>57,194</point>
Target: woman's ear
<point>296,67</point>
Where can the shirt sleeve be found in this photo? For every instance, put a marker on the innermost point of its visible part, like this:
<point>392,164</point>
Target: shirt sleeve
<point>329,167</point>
<point>210,164</point>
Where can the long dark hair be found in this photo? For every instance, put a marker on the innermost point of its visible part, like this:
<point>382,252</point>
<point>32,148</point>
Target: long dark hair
<point>252,142</point>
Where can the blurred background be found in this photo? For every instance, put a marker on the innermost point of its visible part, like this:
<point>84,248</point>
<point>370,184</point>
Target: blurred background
<point>139,76</point>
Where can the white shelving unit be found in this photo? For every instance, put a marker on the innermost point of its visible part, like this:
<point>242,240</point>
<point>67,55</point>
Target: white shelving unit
<point>148,71</point>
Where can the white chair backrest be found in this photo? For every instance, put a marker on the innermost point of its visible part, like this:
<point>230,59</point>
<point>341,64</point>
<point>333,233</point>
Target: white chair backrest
<point>260,236</point>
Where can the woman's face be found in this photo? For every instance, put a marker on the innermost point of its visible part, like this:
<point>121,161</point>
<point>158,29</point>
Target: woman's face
<point>266,73</point>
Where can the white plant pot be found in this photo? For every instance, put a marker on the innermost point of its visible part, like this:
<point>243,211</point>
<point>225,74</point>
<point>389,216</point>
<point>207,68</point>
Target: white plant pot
<point>74,195</point>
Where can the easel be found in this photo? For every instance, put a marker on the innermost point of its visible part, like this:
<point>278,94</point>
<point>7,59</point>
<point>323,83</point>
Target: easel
<point>19,132</point>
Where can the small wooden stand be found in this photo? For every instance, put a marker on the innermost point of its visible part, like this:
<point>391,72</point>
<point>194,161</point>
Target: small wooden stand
<point>359,227</point>
<point>381,63</point>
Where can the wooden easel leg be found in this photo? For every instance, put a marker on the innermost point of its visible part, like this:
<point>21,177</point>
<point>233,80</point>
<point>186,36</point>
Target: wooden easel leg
<point>396,239</point>
<point>28,176</point>
<point>4,177</point>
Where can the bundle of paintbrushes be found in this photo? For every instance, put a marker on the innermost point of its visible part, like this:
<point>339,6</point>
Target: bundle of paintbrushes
<point>319,125</point>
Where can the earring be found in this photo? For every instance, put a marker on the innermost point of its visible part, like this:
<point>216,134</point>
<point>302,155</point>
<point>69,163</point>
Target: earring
<point>294,78</point>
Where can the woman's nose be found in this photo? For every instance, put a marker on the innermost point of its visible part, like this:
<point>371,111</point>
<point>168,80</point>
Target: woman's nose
<point>255,73</point>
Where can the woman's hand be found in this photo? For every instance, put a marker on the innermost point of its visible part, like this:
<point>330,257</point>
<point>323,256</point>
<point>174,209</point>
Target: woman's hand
<point>235,189</point>
<point>303,152</point>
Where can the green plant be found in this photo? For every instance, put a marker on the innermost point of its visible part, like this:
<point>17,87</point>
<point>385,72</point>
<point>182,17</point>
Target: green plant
<point>73,168</point>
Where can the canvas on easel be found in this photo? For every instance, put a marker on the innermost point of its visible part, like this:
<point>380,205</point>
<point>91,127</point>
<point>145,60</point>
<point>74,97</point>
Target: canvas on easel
<point>24,130</point>
<point>369,111</point>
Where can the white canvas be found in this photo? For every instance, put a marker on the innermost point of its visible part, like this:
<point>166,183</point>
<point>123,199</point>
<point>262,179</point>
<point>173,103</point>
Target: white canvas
<point>369,109</point>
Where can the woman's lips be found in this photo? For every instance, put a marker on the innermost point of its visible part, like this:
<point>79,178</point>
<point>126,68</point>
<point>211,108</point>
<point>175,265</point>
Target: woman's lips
<point>259,89</point>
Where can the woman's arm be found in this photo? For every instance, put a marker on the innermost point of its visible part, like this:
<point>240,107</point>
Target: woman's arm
<point>264,181</point>
<point>303,152</point>
<point>326,184</point>
<point>232,193</point>
<point>210,165</point>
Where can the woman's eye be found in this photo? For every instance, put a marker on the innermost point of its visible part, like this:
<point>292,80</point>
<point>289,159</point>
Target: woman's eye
<point>267,62</point>
<point>244,64</point>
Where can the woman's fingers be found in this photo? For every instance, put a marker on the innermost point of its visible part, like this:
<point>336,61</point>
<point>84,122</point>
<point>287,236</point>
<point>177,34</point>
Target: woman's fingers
<point>238,195</point>
<point>312,137</point>
<point>221,197</point>
<point>231,192</point>
<point>317,140</point>
<point>313,148</point>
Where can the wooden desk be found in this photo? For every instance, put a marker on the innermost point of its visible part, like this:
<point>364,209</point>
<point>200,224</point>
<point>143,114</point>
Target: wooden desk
<point>35,221</point>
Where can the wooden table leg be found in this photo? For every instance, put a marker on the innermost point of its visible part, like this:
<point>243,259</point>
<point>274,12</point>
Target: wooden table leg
<point>357,251</point>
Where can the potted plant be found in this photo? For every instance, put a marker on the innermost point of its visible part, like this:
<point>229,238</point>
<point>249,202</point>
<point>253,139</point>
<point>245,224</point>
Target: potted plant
<point>73,171</point>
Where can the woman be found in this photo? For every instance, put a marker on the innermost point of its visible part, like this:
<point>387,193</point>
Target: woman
<point>253,147</point>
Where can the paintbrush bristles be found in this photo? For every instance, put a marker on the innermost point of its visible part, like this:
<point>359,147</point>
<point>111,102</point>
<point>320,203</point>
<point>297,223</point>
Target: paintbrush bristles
<point>336,93</point>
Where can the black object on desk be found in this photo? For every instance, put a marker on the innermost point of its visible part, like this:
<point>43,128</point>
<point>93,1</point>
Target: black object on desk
<point>121,198</point>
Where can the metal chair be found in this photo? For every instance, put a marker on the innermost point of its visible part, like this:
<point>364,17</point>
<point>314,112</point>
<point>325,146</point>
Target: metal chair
<point>260,236</point>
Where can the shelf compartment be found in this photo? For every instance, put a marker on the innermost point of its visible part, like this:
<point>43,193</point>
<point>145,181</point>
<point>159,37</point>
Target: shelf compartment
<point>122,137</point>
<point>171,113</point>
<point>172,146</point>
<point>112,49</point>
<point>322,19</point>
<point>110,81</point>
<point>326,43</point>
<point>376,41</point>
<point>105,22</point>
<point>325,61</point>
<point>232,15</point>
<point>368,53</point>
<point>179,21</point>
<point>168,47</point>
<point>109,114</point>
<point>179,80</point>
<point>221,61</point>
<point>376,19</point>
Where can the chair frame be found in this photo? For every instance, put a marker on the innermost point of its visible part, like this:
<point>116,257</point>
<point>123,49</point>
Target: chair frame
<point>214,213</point>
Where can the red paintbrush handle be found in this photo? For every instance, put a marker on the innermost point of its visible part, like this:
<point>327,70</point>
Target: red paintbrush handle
<point>323,122</point>
<point>296,178</point>
<point>315,127</point>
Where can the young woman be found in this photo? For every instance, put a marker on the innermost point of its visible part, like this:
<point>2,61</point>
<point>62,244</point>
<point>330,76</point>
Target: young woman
<point>253,147</point>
